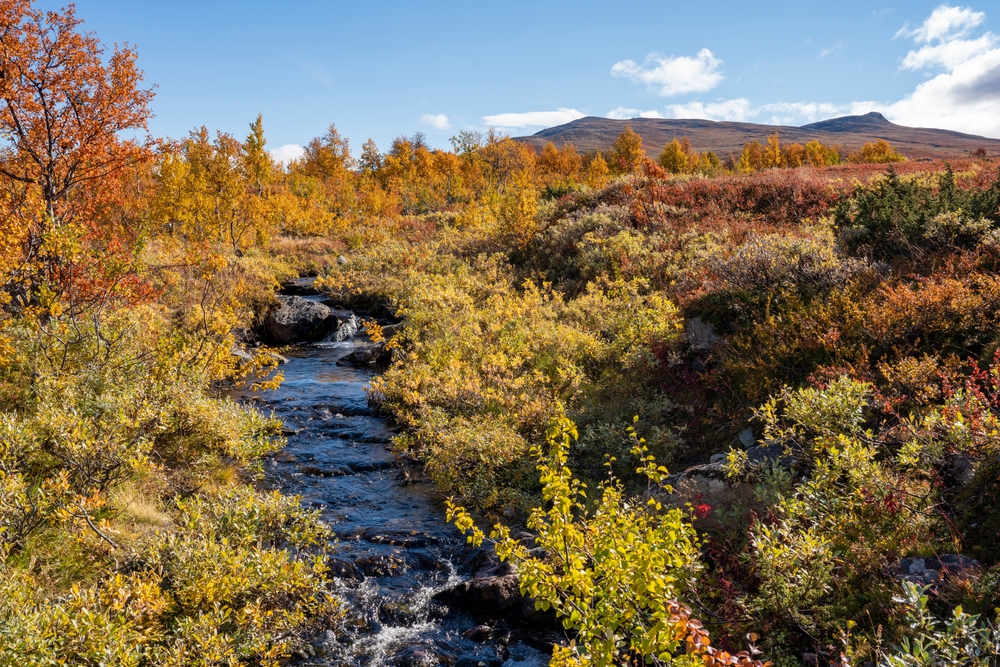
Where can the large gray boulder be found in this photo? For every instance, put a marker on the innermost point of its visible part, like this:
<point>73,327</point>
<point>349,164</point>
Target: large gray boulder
<point>299,320</point>
<point>492,591</point>
<point>368,352</point>
<point>493,596</point>
<point>700,335</point>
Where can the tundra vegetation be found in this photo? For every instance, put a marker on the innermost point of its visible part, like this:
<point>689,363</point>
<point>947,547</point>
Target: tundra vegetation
<point>574,325</point>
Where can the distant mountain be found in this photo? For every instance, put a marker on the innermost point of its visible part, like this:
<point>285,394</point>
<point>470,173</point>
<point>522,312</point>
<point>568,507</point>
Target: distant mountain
<point>850,132</point>
<point>870,122</point>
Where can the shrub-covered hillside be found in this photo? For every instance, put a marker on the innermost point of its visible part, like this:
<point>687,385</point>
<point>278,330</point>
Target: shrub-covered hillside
<point>734,408</point>
<point>842,318</point>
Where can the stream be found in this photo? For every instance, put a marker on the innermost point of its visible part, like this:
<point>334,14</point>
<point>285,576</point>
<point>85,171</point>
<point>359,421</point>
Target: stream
<point>394,549</point>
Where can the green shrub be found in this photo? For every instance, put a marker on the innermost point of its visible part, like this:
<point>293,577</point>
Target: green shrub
<point>222,588</point>
<point>820,558</point>
<point>964,640</point>
<point>902,216</point>
<point>484,362</point>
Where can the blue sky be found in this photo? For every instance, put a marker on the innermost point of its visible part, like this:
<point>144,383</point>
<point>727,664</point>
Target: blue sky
<point>380,69</point>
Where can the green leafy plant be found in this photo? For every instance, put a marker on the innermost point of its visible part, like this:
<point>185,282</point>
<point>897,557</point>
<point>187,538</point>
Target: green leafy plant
<point>963,640</point>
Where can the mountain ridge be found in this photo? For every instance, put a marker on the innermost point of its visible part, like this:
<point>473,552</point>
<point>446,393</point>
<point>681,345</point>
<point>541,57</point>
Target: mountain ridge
<point>727,137</point>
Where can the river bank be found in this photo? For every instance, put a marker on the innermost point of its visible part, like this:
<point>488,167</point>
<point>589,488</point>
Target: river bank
<point>397,559</point>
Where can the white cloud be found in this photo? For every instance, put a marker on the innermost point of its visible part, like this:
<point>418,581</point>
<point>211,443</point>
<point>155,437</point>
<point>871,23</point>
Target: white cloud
<point>775,113</point>
<point>437,121</point>
<point>735,110</point>
<point>287,153</point>
<point>517,121</point>
<point>837,47</point>
<point>965,96</point>
<point>944,38</point>
<point>673,75</point>
<point>944,23</point>
<point>966,99</point>
<point>792,113</point>
<point>625,113</point>
<point>949,54</point>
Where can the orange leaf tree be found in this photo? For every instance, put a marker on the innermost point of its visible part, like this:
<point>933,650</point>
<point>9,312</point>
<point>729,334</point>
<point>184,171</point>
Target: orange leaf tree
<point>63,112</point>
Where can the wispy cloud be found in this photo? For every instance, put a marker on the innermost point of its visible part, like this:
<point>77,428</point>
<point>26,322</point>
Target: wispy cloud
<point>949,54</point>
<point>945,23</point>
<point>287,153</point>
<point>945,41</point>
<point>774,113</point>
<point>673,75</point>
<point>837,47</point>
<point>792,113</point>
<point>737,109</point>
<point>437,121</point>
<point>518,121</point>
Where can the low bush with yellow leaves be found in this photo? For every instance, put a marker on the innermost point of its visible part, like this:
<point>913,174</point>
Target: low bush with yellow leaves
<point>614,569</point>
<point>484,362</point>
<point>130,532</point>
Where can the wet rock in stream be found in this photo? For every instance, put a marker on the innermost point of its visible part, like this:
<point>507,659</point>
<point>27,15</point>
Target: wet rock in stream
<point>381,566</point>
<point>489,596</point>
<point>480,659</point>
<point>345,569</point>
<point>316,471</point>
<point>298,319</point>
<point>479,633</point>
<point>423,655</point>
<point>406,539</point>
<point>369,466</point>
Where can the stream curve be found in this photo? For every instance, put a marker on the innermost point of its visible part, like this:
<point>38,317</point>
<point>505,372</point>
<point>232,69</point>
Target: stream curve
<point>394,551</point>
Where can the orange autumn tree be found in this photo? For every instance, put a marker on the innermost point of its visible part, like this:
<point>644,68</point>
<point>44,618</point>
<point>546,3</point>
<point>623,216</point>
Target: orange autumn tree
<point>678,157</point>
<point>218,194</point>
<point>503,159</point>
<point>879,151</point>
<point>63,110</point>
<point>627,153</point>
<point>324,179</point>
<point>558,168</point>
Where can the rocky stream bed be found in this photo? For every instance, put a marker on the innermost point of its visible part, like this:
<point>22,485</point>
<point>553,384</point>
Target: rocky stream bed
<point>415,592</point>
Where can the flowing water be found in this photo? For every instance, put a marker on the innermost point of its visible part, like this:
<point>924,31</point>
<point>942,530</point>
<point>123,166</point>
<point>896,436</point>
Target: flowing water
<point>394,548</point>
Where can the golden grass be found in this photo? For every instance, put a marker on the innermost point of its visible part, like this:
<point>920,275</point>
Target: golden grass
<point>137,507</point>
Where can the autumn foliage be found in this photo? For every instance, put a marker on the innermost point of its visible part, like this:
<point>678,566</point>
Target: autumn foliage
<point>63,111</point>
<point>825,319</point>
<point>122,474</point>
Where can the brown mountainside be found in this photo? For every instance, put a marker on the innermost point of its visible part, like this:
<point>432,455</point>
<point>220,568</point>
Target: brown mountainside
<point>725,138</point>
